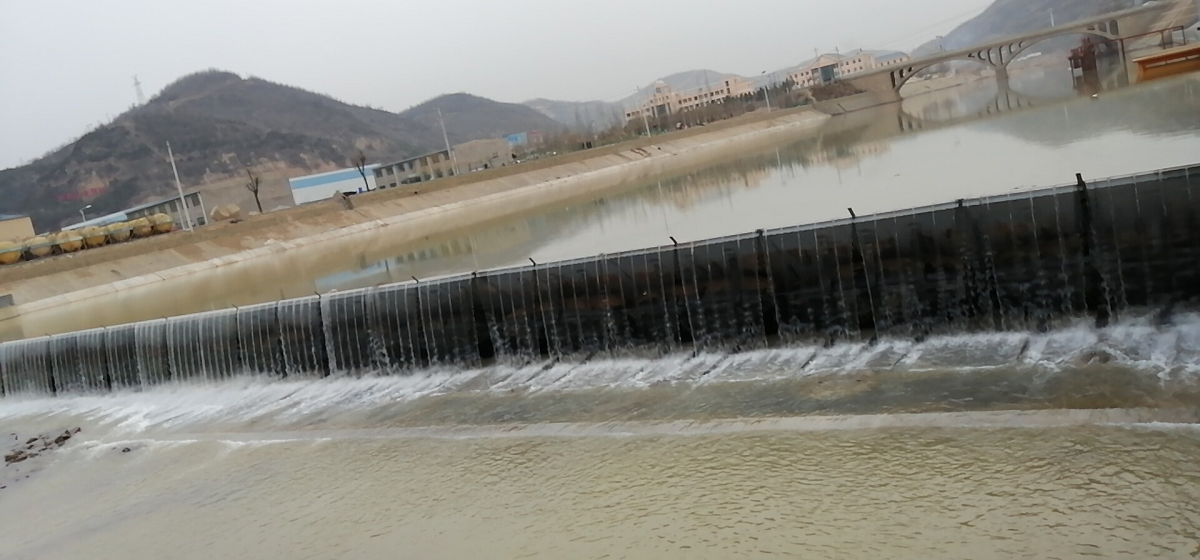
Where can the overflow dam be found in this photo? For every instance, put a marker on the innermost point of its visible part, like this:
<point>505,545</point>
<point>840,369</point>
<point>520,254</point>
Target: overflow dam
<point>1024,261</point>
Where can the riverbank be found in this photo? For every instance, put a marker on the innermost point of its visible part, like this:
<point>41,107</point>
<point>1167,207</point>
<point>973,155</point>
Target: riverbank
<point>441,206</point>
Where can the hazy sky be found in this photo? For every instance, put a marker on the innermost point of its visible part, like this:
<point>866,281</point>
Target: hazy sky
<point>66,65</point>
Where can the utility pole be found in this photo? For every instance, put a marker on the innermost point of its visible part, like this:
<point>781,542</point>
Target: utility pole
<point>446,138</point>
<point>642,112</point>
<point>137,86</point>
<point>1051,17</point>
<point>767,90</point>
<point>187,216</point>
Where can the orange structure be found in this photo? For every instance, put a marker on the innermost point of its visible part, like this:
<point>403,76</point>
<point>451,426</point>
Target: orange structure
<point>1170,62</point>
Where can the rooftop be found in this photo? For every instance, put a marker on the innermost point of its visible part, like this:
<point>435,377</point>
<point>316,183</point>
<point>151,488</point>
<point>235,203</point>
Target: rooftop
<point>334,172</point>
<point>892,55</point>
<point>122,214</point>
<point>157,202</point>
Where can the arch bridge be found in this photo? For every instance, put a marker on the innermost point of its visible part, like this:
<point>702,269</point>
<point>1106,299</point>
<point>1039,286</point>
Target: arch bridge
<point>1000,53</point>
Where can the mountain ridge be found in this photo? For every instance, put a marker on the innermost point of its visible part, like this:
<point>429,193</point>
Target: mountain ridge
<point>219,125</point>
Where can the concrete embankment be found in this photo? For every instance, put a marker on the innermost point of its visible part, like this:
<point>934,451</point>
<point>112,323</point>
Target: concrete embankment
<point>433,208</point>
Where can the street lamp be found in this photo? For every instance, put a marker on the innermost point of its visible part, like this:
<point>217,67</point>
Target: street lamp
<point>82,216</point>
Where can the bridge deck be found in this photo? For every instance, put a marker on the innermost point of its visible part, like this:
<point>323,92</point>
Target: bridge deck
<point>1046,33</point>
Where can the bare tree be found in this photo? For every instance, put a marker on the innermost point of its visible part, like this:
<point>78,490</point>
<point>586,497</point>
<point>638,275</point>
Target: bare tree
<point>360,163</point>
<point>252,185</point>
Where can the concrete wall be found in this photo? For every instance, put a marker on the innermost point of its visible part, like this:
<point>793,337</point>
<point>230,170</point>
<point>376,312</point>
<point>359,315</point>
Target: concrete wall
<point>475,155</point>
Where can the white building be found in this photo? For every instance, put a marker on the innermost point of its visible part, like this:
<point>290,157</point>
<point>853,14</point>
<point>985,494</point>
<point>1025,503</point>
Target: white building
<point>664,100</point>
<point>830,66</point>
<point>322,186</point>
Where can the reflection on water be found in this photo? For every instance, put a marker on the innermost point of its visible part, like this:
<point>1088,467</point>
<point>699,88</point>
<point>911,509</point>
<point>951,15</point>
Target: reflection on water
<point>931,149</point>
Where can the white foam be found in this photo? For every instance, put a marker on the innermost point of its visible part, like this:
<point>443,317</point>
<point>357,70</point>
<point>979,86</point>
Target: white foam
<point>1170,353</point>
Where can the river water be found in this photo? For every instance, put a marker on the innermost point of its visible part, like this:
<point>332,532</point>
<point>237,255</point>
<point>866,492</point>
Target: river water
<point>1077,443</point>
<point>935,492</point>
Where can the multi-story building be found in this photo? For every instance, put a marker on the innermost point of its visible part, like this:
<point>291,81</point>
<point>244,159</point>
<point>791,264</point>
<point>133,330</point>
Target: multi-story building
<point>173,207</point>
<point>829,67</point>
<point>665,101</point>
<point>425,167</point>
<point>477,155</point>
<point>821,70</point>
<point>895,58</point>
<point>462,158</point>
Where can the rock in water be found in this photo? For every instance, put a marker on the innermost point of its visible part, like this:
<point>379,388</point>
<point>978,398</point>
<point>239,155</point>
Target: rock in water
<point>18,456</point>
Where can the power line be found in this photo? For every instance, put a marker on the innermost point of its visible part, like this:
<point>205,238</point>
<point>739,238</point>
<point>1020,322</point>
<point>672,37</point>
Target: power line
<point>924,30</point>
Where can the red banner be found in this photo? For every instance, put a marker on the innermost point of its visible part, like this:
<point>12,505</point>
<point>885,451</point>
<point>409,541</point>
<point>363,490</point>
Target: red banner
<point>90,193</point>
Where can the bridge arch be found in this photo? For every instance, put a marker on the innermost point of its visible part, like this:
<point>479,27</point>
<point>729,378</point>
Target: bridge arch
<point>999,57</point>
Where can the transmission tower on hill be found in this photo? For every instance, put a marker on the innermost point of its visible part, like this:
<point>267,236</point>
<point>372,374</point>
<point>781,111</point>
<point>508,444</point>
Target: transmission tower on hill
<point>141,97</point>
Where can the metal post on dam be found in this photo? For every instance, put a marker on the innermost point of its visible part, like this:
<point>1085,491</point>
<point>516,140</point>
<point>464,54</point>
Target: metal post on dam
<point>1029,261</point>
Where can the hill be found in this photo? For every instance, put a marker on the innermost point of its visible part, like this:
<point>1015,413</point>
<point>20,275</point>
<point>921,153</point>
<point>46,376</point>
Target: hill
<point>579,115</point>
<point>219,124</point>
<point>469,117</point>
<point>1011,17</point>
